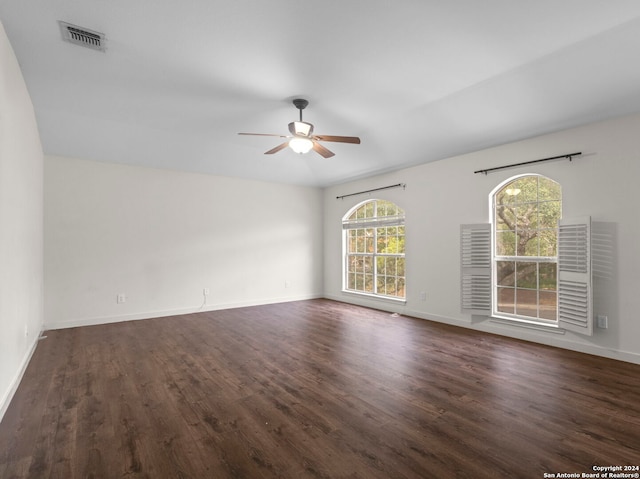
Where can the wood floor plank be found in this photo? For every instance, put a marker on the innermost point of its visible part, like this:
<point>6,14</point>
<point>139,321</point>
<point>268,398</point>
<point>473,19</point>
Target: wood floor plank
<point>313,389</point>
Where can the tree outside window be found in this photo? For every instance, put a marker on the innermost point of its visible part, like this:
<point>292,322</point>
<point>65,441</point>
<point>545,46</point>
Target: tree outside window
<point>374,244</point>
<point>526,215</point>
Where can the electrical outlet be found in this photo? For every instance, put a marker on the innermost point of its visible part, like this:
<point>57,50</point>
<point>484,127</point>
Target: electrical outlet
<point>122,298</point>
<point>206,291</point>
<point>423,296</point>
<point>287,284</point>
<point>602,321</point>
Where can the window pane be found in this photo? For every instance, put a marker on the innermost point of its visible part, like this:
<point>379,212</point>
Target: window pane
<point>368,264</point>
<point>527,302</point>
<point>369,241</point>
<point>400,266</point>
<point>381,285</point>
<point>526,275</point>
<point>505,218</point>
<point>507,195</point>
<point>391,285</point>
<point>390,266</point>
<point>548,242</point>
<point>351,281</point>
<point>548,305</point>
<point>380,262</point>
<point>401,241</point>
<point>505,243</point>
<point>528,189</point>
<point>361,264</point>
<point>351,243</point>
<point>368,283</point>
<point>381,239</point>
<point>357,264</point>
<point>369,210</point>
<point>506,298</point>
<point>527,217</point>
<point>527,243</point>
<point>549,214</point>
<point>360,242</point>
<point>389,244</point>
<point>387,208</point>
<point>548,276</point>
<point>548,190</point>
<point>394,245</point>
<point>359,282</point>
<point>506,271</point>
<point>351,264</point>
<point>400,292</point>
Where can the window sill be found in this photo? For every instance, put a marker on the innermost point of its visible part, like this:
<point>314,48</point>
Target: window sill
<point>375,297</point>
<point>527,325</point>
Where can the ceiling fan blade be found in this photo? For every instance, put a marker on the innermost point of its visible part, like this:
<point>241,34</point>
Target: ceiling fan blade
<point>318,148</point>
<point>281,146</point>
<point>264,134</point>
<point>339,139</point>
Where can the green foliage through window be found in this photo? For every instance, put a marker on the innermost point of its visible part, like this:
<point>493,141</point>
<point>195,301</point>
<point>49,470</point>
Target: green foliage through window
<point>526,215</point>
<point>375,245</point>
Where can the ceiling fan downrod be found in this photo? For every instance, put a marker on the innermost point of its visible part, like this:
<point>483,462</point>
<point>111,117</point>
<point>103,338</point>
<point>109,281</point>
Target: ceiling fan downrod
<point>300,104</point>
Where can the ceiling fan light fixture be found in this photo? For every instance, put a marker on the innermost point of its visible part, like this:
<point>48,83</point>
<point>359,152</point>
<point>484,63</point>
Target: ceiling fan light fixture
<point>302,139</point>
<point>300,145</point>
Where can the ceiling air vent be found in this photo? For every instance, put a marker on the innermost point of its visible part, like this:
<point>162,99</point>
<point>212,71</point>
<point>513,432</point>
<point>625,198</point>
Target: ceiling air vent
<point>82,36</point>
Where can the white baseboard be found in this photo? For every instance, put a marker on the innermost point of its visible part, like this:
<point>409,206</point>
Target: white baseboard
<point>13,387</point>
<point>369,301</point>
<point>536,336</point>
<point>511,331</point>
<point>73,323</point>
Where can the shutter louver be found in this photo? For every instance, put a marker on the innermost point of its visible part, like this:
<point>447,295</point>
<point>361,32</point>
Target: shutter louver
<point>475,269</point>
<point>574,276</point>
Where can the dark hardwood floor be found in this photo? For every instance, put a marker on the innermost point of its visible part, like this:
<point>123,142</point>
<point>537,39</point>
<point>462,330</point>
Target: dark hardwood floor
<point>313,389</point>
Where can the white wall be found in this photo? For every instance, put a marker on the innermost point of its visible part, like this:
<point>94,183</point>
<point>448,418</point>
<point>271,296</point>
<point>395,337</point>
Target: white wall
<point>440,196</point>
<point>161,237</point>
<point>20,225</point>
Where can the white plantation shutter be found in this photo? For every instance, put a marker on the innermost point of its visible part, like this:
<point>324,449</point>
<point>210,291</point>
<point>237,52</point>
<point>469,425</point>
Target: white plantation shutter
<point>574,276</point>
<point>475,268</point>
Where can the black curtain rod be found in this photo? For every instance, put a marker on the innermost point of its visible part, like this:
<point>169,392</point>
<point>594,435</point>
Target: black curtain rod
<point>403,185</point>
<point>568,156</point>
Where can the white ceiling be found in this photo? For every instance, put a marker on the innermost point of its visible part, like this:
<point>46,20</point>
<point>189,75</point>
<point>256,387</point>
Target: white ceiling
<point>417,80</point>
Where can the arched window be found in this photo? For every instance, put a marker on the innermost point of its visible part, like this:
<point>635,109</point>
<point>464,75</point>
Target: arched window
<point>526,212</point>
<point>374,261</point>
<point>528,264</point>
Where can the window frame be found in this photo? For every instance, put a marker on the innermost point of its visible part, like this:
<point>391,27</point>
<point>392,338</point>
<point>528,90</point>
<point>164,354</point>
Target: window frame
<point>515,258</point>
<point>374,223</point>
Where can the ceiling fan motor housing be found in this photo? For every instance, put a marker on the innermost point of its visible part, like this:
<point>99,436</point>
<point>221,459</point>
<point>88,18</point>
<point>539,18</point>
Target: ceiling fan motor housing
<point>300,128</point>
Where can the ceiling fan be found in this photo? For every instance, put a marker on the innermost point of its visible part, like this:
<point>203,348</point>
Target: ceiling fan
<point>302,138</point>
